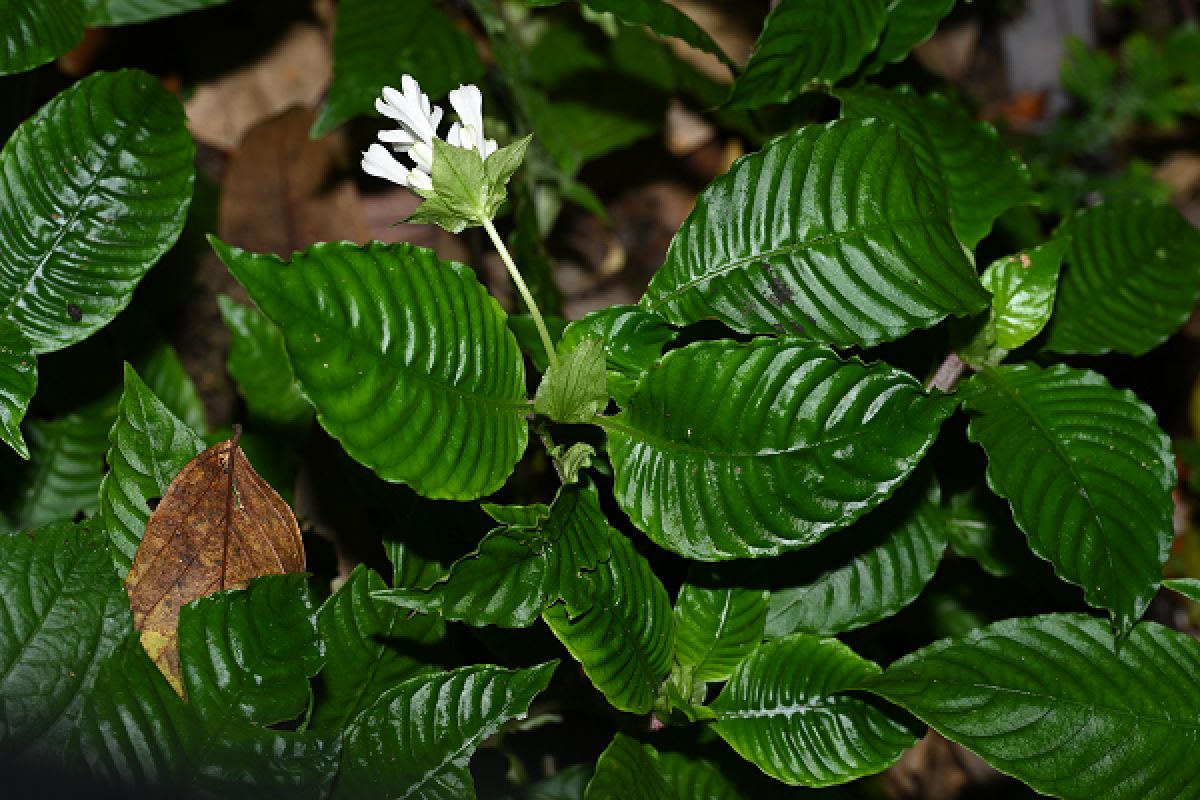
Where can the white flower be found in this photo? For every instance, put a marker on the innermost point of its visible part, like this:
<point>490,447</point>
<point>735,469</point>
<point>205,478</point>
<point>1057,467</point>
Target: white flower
<point>419,120</point>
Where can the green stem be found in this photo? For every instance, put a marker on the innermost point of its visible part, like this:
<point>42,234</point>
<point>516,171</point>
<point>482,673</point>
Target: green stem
<point>536,313</point>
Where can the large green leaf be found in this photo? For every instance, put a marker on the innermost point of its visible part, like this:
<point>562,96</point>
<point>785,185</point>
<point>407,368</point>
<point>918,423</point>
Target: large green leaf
<point>624,634</point>
<point>259,364</point>
<point>628,769</point>
<point>109,13</point>
<point>716,624</point>
<point>1088,474</point>
<point>371,645</point>
<point>1052,701</point>
<point>805,44</point>
<point>522,569</point>
<point>406,358</point>
<point>633,340</point>
<point>65,467</point>
<point>417,739</point>
<point>148,445</point>
<point>376,42</point>
<point>832,232</point>
<point>1023,289</point>
<point>782,712</point>
<point>1132,276</point>
<point>94,188</point>
<point>37,31</point>
<point>63,612</point>
<point>246,657</point>
<point>18,382</point>
<point>909,23</point>
<point>865,573</point>
<point>739,450</point>
<point>979,177</point>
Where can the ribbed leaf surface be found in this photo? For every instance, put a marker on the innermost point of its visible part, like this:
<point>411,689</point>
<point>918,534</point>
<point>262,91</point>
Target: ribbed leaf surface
<point>247,656</point>
<point>633,340</point>
<point>716,625</point>
<point>782,712</point>
<point>375,44</point>
<point>1088,474</point>
<point>1023,288</point>
<point>94,188</point>
<point>258,362</point>
<point>1051,701</point>
<point>909,23</point>
<point>62,613</point>
<point>980,178</point>
<point>148,445</point>
<point>520,570</point>
<point>832,232</point>
<point>18,382</point>
<point>1131,278</point>
<point>406,358</point>
<point>624,635</point>
<point>628,769</point>
<point>163,371</point>
<point>109,13</point>
<point>806,43</point>
<point>36,31</point>
<point>692,778</point>
<point>865,573</point>
<point>416,741</point>
<point>371,646</point>
<point>65,467</point>
<point>739,450</point>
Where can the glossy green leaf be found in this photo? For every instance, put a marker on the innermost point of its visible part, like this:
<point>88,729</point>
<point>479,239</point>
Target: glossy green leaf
<point>624,634</point>
<point>520,570</point>
<point>1088,474</point>
<point>978,176</point>
<point>782,711</point>
<point>163,371</point>
<point>417,739</point>
<point>806,44</point>
<point>909,23</point>
<point>37,31</point>
<point>148,445</point>
<point>375,43</point>
<point>576,389</point>
<point>371,647</point>
<point>1132,276</point>
<point>716,624</point>
<point>64,611</point>
<point>633,340</point>
<point>406,358</point>
<point>94,188</point>
<point>628,769</point>
<point>866,573</point>
<point>258,362</point>
<point>1052,701</point>
<point>1188,587</point>
<point>741,450</point>
<point>832,232</point>
<point>65,467</point>
<point>247,656</point>
<point>18,382</point>
<point>110,13</point>
<point>1023,289</point>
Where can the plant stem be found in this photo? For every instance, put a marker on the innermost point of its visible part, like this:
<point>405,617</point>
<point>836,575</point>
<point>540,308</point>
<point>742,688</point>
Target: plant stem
<point>534,311</point>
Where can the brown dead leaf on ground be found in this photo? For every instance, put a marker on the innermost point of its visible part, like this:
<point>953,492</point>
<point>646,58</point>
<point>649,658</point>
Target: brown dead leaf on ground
<point>218,526</point>
<point>295,72</point>
<point>283,191</point>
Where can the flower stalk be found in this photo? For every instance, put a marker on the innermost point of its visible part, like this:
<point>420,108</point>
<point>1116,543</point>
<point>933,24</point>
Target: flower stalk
<point>534,311</point>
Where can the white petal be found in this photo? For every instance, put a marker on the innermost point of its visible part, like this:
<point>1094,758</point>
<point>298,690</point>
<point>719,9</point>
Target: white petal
<point>453,137</point>
<point>399,136</point>
<point>468,104</point>
<point>411,109</point>
<point>423,155</point>
<point>419,180</point>
<point>379,162</point>
<point>489,147</point>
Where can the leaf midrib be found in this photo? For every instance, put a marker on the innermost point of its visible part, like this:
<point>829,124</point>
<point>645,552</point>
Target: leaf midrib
<point>807,244</point>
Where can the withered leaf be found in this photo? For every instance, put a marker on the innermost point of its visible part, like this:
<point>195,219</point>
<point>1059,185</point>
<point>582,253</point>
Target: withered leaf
<point>218,525</point>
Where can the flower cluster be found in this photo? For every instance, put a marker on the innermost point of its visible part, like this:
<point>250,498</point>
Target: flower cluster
<point>419,121</point>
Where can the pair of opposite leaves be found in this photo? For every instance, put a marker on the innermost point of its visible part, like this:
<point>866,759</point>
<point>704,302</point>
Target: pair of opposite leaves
<point>217,526</point>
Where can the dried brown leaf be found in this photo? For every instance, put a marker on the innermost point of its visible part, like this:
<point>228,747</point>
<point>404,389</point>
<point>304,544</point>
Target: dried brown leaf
<point>218,526</point>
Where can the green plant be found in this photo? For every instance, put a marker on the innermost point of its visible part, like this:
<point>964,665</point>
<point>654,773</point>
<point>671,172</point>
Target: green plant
<point>779,417</point>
